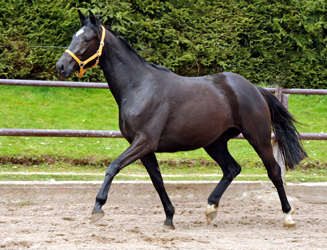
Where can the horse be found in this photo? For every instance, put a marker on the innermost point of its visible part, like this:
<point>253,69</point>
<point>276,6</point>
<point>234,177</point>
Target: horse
<point>160,111</point>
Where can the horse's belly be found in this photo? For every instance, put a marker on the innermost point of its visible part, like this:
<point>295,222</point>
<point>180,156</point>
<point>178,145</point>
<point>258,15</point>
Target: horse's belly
<point>184,135</point>
<point>175,143</point>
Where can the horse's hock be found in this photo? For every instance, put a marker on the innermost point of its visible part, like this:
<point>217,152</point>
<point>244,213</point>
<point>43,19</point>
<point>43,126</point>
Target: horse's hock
<point>144,192</point>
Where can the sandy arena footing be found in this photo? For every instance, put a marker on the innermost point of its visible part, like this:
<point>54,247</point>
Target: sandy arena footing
<point>55,215</point>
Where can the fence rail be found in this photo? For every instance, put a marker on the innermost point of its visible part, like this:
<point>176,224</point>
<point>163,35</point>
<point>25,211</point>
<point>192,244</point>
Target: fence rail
<point>38,83</point>
<point>280,93</point>
<point>109,133</point>
<point>60,133</point>
<point>54,84</point>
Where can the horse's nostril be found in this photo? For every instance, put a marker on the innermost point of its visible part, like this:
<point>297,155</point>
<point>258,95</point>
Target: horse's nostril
<point>62,67</point>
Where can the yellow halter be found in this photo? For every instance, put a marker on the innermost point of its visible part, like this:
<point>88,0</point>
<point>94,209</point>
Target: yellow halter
<point>96,55</point>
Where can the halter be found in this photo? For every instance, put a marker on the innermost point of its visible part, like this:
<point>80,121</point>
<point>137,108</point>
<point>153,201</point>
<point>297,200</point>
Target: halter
<point>96,55</point>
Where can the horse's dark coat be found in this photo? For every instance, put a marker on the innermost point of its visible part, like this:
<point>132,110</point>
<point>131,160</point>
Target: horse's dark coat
<point>160,111</point>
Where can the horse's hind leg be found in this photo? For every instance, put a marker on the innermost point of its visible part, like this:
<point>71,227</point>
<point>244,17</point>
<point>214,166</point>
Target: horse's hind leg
<point>263,147</point>
<point>219,152</point>
<point>151,165</point>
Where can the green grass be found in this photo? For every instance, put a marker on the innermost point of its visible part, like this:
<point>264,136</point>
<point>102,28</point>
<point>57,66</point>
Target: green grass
<point>68,108</point>
<point>293,176</point>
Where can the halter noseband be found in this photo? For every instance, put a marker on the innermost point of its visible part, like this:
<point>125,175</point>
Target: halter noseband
<point>96,55</point>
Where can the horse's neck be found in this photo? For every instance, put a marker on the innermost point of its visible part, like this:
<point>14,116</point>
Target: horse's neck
<point>122,69</point>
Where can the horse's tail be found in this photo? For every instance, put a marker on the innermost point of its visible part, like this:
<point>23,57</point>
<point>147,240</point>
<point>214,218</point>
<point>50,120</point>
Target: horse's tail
<point>286,135</point>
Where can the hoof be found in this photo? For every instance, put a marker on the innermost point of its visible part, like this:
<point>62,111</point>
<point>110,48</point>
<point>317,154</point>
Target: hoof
<point>211,212</point>
<point>288,221</point>
<point>96,216</point>
<point>291,224</point>
<point>169,227</point>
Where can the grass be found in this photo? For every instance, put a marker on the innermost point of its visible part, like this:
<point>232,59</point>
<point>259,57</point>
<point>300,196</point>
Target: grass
<point>293,176</point>
<point>68,108</point>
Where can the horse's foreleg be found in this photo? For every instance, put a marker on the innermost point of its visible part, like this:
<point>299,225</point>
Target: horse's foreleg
<point>135,151</point>
<point>219,152</point>
<point>101,198</point>
<point>151,165</point>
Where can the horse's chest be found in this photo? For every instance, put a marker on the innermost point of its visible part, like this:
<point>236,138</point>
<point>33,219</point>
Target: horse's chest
<point>129,123</point>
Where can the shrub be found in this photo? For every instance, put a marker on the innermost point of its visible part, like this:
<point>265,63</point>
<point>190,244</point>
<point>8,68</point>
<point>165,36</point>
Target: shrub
<point>266,41</point>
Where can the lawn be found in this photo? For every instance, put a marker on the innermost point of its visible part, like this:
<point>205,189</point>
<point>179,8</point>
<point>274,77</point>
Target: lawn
<point>68,108</point>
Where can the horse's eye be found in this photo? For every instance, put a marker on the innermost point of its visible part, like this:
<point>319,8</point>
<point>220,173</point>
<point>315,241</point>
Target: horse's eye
<point>87,40</point>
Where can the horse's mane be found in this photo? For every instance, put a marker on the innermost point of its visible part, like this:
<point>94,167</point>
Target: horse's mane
<point>123,41</point>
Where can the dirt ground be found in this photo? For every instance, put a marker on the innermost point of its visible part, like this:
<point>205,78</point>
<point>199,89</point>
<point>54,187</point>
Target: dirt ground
<point>250,220</point>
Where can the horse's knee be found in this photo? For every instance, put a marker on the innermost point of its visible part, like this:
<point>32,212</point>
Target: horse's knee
<point>112,170</point>
<point>231,173</point>
<point>237,170</point>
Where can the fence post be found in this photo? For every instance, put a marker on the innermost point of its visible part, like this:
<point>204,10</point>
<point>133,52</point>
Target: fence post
<point>283,98</point>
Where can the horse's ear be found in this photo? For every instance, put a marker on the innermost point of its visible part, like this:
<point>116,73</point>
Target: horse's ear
<point>82,18</point>
<point>93,19</point>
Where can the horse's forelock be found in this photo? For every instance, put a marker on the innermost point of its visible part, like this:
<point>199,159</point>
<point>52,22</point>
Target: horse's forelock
<point>96,28</point>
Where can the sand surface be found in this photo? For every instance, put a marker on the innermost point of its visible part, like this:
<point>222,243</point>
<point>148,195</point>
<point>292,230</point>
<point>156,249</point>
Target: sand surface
<point>249,220</point>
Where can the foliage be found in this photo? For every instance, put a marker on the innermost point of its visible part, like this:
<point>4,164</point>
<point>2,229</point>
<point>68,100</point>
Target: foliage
<point>27,26</point>
<point>266,41</point>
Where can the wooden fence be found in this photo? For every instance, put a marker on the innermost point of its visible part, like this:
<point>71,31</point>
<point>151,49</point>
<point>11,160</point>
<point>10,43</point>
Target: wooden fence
<point>281,94</point>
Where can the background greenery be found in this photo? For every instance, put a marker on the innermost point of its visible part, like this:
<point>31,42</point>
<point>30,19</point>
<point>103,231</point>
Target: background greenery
<point>266,41</point>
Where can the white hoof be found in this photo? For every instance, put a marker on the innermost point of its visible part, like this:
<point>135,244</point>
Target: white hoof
<point>292,210</point>
<point>288,221</point>
<point>211,212</point>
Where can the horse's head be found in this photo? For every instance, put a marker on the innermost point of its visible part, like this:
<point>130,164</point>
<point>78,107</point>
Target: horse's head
<point>85,49</point>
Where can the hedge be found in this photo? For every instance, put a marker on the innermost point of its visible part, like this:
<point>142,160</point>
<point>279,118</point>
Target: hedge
<point>268,42</point>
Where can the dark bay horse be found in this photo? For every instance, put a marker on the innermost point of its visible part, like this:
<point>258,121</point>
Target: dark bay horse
<point>160,111</point>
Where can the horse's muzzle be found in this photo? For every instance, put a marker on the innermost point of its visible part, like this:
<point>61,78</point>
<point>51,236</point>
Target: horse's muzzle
<point>65,66</point>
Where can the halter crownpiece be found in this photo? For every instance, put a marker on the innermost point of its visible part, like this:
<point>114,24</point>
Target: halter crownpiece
<point>96,55</point>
